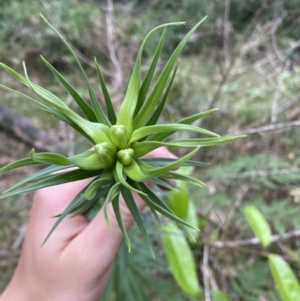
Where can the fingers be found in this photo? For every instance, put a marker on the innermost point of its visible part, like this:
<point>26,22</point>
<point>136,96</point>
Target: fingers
<point>54,200</point>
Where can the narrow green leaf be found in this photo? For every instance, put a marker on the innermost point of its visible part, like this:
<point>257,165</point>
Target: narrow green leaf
<point>46,108</point>
<point>95,202</point>
<point>91,190</point>
<point>130,202</point>
<point>116,207</point>
<point>77,126</point>
<point>165,161</point>
<point>258,224</point>
<point>113,193</point>
<point>158,171</point>
<point>54,112</point>
<point>127,109</point>
<point>17,164</point>
<point>150,103</point>
<point>97,131</point>
<point>144,147</point>
<point>75,202</point>
<point>85,108</point>
<point>154,118</point>
<point>178,199</point>
<point>154,202</point>
<point>192,219</point>
<point>285,279</point>
<point>148,130</point>
<point>49,158</point>
<point>180,259</point>
<point>101,117</point>
<point>148,78</point>
<point>45,94</point>
<point>203,142</point>
<point>181,177</point>
<point>188,120</point>
<point>109,107</point>
<point>51,180</point>
<point>162,183</point>
<point>37,176</point>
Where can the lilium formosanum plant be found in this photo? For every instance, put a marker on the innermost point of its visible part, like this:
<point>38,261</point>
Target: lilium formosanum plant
<point>120,141</point>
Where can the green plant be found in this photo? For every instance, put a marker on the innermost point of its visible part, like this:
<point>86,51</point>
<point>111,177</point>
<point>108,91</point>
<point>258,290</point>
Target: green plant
<point>285,279</point>
<point>119,141</point>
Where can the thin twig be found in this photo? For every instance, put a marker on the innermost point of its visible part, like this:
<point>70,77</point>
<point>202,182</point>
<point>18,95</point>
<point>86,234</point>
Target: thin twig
<point>259,173</point>
<point>271,127</point>
<point>206,273</point>
<point>258,253</point>
<point>226,31</point>
<point>18,241</point>
<point>254,240</point>
<point>118,76</point>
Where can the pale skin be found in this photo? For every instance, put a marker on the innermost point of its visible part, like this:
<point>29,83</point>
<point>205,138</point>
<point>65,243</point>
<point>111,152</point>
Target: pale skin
<point>75,263</point>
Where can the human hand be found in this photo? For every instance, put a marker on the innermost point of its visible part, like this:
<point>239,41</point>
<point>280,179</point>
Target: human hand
<point>76,261</point>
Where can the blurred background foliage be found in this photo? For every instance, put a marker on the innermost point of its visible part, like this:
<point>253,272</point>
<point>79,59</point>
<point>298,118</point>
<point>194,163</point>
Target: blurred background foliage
<point>244,60</point>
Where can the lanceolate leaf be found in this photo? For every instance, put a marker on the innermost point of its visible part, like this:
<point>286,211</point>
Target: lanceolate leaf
<point>180,259</point>
<point>130,202</point>
<point>162,183</point>
<point>154,202</point>
<point>112,194</point>
<point>37,176</point>
<point>17,164</point>
<point>150,103</point>
<point>148,78</point>
<point>144,147</point>
<point>285,279</point>
<point>96,106</point>
<point>76,201</point>
<point>51,180</point>
<point>148,130</point>
<point>154,118</point>
<point>202,142</point>
<point>91,190</point>
<point>181,177</point>
<point>109,107</point>
<point>158,171</point>
<point>188,120</point>
<point>258,224</point>
<point>49,158</point>
<point>45,94</point>
<point>165,161</point>
<point>85,108</point>
<point>178,199</point>
<point>127,109</point>
<point>116,207</point>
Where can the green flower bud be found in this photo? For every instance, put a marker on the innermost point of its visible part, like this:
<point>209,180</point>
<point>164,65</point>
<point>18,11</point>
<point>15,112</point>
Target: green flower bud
<point>125,156</point>
<point>119,136</point>
<point>106,152</point>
